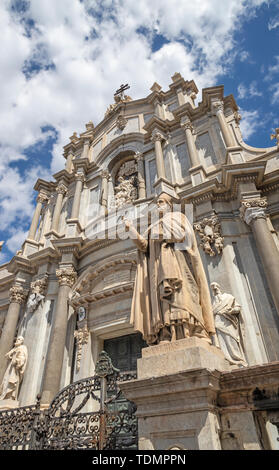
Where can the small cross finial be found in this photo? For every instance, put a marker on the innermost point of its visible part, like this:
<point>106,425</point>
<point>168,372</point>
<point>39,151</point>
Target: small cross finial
<point>121,90</point>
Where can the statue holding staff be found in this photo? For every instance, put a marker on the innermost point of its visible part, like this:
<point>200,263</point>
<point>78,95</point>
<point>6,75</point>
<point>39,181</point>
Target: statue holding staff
<point>171,297</point>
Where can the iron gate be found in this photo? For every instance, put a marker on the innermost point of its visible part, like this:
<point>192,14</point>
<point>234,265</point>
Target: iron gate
<point>88,414</point>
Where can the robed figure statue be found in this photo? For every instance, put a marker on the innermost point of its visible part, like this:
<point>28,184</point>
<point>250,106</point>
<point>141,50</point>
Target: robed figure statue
<point>13,376</point>
<point>229,325</point>
<point>171,297</point>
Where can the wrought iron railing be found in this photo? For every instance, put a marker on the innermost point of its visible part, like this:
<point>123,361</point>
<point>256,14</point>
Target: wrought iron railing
<point>89,414</point>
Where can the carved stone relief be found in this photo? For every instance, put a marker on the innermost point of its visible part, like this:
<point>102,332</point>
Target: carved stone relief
<point>126,183</point>
<point>209,230</point>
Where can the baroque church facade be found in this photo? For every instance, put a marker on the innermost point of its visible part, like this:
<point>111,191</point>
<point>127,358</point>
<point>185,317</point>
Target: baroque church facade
<point>68,292</point>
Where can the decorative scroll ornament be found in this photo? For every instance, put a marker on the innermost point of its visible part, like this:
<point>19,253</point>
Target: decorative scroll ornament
<point>104,365</point>
<point>18,294</point>
<point>252,209</point>
<point>66,276</point>
<point>275,136</point>
<point>121,122</point>
<point>237,117</point>
<point>209,230</point>
<point>81,336</point>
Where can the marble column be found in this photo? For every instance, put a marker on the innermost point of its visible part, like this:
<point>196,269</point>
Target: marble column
<point>18,297</point>
<point>61,191</point>
<point>105,177</point>
<point>193,154</point>
<point>69,164</point>
<point>252,211</point>
<point>141,180</point>
<point>41,199</point>
<point>218,109</point>
<point>54,362</point>
<point>77,196</point>
<point>157,138</point>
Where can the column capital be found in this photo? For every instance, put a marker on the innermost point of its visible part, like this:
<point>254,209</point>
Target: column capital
<point>66,276</point>
<point>61,189</point>
<point>252,209</point>
<point>42,198</point>
<point>105,174</point>
<point>79,176</point>
<point>157,136</point>
<point>186,124</point>
<point>18,294</point>
<point>217,106</point>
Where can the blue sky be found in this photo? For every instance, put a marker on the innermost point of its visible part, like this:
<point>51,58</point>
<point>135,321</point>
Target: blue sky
<point>62,61</point>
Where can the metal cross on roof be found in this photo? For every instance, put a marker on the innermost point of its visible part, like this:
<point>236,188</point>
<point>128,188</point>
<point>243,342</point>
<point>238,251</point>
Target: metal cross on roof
<point>121,89</point>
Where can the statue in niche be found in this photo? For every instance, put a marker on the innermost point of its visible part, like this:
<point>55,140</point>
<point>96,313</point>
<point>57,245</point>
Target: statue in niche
<point>171,298</point>
<point>125,192</point>
<point>15,370</point>
<point>229,325</point>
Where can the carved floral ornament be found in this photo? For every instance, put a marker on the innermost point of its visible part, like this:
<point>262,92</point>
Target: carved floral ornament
<point>81,336</point>
<point>18,294</point>
<point>252,209</point>
<point>209,230</point>
<point>66,276</point>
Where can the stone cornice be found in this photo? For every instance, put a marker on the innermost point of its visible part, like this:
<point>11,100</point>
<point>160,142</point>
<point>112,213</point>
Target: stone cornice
<point>45,186</point>
<point>103,294</point>
<point>68,245</point>
<point>63,177</point>
<point>225,190</point>
<point>155,123</point>
<point>81,164</point>
<point>19,263</point>
<point>46,255</point>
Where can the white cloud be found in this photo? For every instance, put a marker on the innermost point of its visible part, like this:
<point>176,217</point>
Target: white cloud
<point>62,61</point>
<point>275,93</point>
<point>250,91</point>
<point>15,241</point>
<point>249,123</point>
<point>273,23</point>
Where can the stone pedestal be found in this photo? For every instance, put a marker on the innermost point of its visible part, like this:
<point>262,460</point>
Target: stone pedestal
<point>185,354</point>
<point>176,395</point>
<point>8,404</point>
<point>177,410</point>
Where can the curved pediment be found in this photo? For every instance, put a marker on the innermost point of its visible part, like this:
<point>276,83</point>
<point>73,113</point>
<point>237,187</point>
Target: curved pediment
<point>111,276</point>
